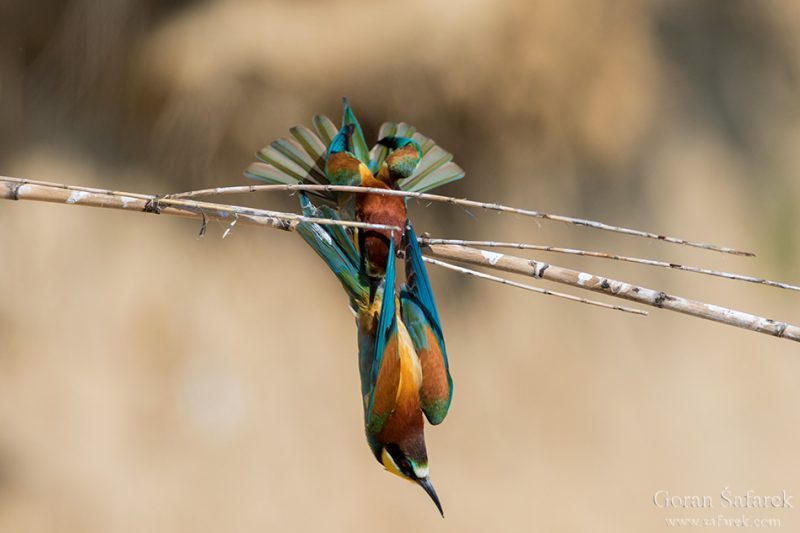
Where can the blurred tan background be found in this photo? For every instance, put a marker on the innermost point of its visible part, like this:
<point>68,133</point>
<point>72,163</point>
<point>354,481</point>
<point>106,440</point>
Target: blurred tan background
<point>151,381</point>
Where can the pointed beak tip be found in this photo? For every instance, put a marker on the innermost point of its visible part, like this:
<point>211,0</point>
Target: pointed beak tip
<point>426,484</point>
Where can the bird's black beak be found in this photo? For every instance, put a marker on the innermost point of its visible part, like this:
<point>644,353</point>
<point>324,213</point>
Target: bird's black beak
<point>425,483</point>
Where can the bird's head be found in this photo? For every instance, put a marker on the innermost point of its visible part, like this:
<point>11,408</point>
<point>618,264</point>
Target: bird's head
<point>404,157</point>
<point>410,466</point>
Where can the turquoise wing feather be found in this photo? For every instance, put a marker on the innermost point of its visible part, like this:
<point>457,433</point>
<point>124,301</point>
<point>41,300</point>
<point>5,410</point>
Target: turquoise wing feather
<point>419,314</point>
<point>341,141</point>
<point>341,235</point>
<point>384,369</point>
<point>343,238</point>
<point>386,319</point>
<point>417,282</point>
<point>335,247</point>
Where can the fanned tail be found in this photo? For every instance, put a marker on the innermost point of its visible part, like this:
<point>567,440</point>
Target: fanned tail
<point>434,170</point>
<point>302,157</point>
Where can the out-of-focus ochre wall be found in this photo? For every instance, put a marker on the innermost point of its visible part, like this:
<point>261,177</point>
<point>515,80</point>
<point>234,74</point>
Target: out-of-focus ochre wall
<point>153,381</point>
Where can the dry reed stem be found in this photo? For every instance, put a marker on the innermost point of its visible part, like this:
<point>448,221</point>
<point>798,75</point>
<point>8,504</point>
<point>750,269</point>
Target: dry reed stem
<point>23,189</point>
<point>615,257</point>
<point>611,287</point>
<point>239,189</point>
<point>531,288</point>
<point>18,189</point>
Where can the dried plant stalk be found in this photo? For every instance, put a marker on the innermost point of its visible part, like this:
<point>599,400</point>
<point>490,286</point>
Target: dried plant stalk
<point>18,189</point>
<point>615,257</point>
<point>239,189</point>
<point>539,290</point>
<point>611,287</point>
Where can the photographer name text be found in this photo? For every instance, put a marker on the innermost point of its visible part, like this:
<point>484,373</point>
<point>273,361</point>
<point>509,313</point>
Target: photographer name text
<point>726,499</point>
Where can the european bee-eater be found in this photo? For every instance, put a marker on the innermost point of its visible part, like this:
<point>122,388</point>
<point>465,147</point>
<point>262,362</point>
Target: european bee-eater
<point>402,360</point>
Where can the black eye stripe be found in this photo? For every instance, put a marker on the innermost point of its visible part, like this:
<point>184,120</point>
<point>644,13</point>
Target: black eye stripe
<point>400,460</point>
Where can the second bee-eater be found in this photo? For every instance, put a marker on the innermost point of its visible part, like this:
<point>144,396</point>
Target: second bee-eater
<point>401,161</point>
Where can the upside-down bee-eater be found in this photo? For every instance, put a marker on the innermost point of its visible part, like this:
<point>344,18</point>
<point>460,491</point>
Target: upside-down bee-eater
<point>402,361</point>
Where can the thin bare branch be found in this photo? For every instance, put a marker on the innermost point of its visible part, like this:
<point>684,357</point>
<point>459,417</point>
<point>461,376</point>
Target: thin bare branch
<point>461,202</point>
<point>510,283</point>
<point>611,287</point>
<point>604,255</point>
